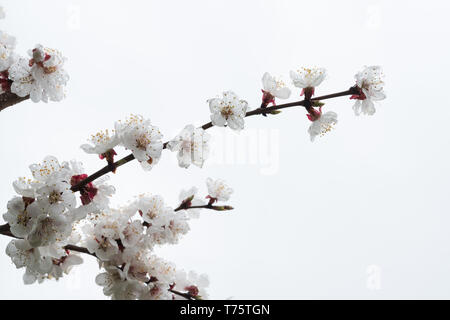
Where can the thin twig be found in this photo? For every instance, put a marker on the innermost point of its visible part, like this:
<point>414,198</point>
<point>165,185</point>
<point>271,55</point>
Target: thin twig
<point>186,295</point>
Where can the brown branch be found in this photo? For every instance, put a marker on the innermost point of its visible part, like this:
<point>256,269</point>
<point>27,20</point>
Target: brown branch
<point>71,247</point>
<point>186,295</point>
<point>6,231</point>
<point>111,167</point>
<point>207,206</point>
<point>9,99</point>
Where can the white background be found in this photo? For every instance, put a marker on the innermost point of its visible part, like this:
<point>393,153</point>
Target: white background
<point>362,213</point>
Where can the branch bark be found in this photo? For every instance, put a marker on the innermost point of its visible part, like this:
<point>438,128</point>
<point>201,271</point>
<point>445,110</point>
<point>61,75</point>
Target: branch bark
<point>9,99</point>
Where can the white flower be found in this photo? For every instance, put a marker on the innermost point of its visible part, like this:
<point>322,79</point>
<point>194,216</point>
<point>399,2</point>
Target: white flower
<point>20,74</point>
<point>150,207</point>
<point>20,217</point>
<point>103,248</point>
<point>164,225</point>
<point>64,264</point>
<point>191,145</point>
<point>24,256</point>
<point>46,170</point>
<point>110,280</point>
<point>26,187</point>
<point>370,84</point>
<point>143,139</point>
<point>44,80</point>
<point>228,110</point>
<point>132,233</point>
<point>101,143</point>
<point>7,46</point>
<point>103,236</point>
<point>273,88</point>
<point>56,197</point>
<point>168,228</point>
<point>48,229</point>
<point>134,262</point>
<point>115,285</point>
<point>217,189</point>
<point>308,78</point>
<point>322,124</point>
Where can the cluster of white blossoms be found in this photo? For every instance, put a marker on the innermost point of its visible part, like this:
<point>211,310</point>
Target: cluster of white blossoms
<point>230,110</point>
<point>43,215</point>
<point>50,222</point>
<point>369,88</point>
<point>144,140</point>
<point>61,211</point>
<point>40,76</point>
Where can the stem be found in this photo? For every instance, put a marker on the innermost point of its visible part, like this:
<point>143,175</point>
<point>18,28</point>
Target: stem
<point>109,168</point>
<point>304,103</point>
<point>186,295</point>
<point>349,92</point>
<point>71,247</point>
<point>9,99</point>
<point>207,206</point>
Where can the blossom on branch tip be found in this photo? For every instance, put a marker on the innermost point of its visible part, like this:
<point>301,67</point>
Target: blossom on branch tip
<point>370,85</point>
<point>321,123</point>
<point>192,146</point>
<point>229,110</point>
<point>308,79</point>
<point>273,88</point>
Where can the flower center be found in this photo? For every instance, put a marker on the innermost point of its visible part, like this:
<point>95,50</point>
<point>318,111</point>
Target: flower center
<point>142,142</point>
<point>326,127</point>
<point>23,218</point>
<point>227,111</point>
<point>54,197</point>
